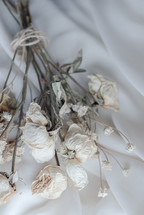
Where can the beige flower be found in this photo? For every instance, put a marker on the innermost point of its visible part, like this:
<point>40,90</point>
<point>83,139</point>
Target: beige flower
<point>6,190</point>
<point>77,176</point>
<point>35,115</point>
<point>103,89</point>
<point>6,152</point>
<point>80,109</point>
<point>78,144</point>
<point>39,140</point>
<point>50,183</point>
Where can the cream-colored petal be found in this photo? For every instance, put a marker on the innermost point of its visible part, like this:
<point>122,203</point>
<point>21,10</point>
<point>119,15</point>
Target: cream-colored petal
<point>77,176</point>
<point>35,115</point>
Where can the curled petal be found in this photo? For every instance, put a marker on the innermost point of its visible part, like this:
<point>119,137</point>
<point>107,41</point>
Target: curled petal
<point>35,115</point>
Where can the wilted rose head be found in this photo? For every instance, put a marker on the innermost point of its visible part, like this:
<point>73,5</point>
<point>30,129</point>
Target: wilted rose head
<point>101,88</point>
<point>78,143</point>
<point>50,182</point>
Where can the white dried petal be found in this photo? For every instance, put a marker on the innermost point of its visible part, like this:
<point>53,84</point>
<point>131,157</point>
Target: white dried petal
<point>37,138</point>
<point>50,183</point>
<point>80,109</point>
<point>7,116</point>
<point>35,115</point>
<point>77,176</point>
<point>81,144</point>
<point>130,147</point>
<point>45,154</point>
<point>106,165</point>
<point>101,88</point>
<point>6,190</point>
<point>126,172</point>
<point>108,130</point>
<point>102,192</point>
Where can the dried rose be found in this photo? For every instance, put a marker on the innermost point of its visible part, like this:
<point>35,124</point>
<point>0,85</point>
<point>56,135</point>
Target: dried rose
<point>79,144</point>
<point>39,140</point>
<point>35,115</point>
<point>6,152</point>
<point>50,183</point>
<point>103,89</point>
<point>77,176</point>
<point>6,190</point>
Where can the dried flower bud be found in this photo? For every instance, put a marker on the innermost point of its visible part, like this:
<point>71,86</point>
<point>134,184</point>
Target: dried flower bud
<point>82,146</point>
<point>103,89</point>
<point>102,192</point>
<point>106,165</point>
<point>35,115</point>
<point>4,105</point>
<point>125,172</point>
<point>80,109</point>
<point>50,183</point>
<point>130,147</point>
<point>108,130</point>
<point>77,176</point>
<point>6,190</point>
<point>39,140</point>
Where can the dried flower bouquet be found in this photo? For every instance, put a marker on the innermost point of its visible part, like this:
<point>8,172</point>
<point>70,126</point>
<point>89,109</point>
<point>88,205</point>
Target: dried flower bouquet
<point>59,121</point>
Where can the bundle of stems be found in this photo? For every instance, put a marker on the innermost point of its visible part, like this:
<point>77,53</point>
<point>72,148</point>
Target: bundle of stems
<point>30,44</point>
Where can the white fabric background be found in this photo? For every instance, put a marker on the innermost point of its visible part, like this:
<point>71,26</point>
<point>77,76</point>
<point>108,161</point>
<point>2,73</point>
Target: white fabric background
<point>111,34</point>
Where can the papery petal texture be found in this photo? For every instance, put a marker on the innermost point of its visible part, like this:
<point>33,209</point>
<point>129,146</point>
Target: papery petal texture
<point>50,183</point>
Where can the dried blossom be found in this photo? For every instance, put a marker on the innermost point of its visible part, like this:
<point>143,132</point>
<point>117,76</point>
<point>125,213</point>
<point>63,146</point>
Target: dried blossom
<point>6,189</point>
<point>50,183</point>
<point>108,130</point>
<point>39,140</point>
<point>6,152</point>
<point>103,89</point>
<point>79,144</point>
<point>125,172</point>
<point>106,165</point>
<point>35,115</point>
<point>80,109</point>
<point>102,192</point>
<point>77,176</point>
<point>130,147</point>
